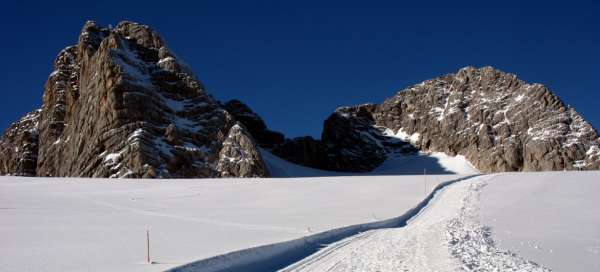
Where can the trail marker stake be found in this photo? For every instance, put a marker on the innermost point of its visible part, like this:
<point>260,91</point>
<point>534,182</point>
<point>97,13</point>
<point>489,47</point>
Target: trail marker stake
<point>148,246</point>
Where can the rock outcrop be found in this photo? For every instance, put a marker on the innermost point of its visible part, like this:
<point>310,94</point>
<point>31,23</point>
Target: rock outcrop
<point>304,151</point>
<point>19,147</point>
<point>301,150</point>
<point>498,122</point>
<point>255,125</point>
<point>355,143</point>
<point>351,140</point>
<point>239,157</point>
<point>120,104</point>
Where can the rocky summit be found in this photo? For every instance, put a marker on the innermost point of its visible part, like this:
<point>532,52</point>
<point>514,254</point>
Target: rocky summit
<point>120,104</point>
<point>498,122</point>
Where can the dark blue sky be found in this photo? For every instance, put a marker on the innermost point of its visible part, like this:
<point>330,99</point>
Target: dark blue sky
<point>294,62</point>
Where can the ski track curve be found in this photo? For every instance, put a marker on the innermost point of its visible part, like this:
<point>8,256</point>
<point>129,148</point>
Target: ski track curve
<point>444,236</point>
<point>278,256</point>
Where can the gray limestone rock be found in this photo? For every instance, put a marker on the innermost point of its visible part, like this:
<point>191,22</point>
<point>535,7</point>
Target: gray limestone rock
<point>497,121</point>
<point>120,104</point>
<point>19,147</point>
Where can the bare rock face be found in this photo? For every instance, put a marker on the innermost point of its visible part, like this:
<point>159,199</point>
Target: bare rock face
<point>352,141</point>
<point>255,125</point>
<point>498,122</point>
<point>19,147</point>
<point>304,151</point>
<point>239,156</point>
<point>120,104</point>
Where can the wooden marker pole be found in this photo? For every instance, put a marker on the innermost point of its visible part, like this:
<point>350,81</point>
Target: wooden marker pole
<point>148,246</point>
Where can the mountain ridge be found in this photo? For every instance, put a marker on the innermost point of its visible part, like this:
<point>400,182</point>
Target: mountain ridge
<point>506,125</point>
<point>120,104</point>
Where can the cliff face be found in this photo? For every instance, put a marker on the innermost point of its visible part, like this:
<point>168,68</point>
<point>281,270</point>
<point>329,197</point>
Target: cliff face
<point>120,104</point>
<point>498,122</point>
<point>19,146</point>
<point>254,124</point>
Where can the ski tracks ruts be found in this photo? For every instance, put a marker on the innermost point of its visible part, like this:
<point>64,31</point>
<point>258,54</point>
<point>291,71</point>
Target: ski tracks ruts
<point>299,252</point>
<point>445,236</point>
<point>414,247</point>
<point>331,251</point>
<point>472,244</point>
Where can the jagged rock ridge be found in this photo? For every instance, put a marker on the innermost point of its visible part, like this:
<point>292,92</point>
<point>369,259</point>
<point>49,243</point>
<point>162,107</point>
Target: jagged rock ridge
<point>120,104</point>
<point>498,122</point>
<point>254,124</point>
<point>19,146</point>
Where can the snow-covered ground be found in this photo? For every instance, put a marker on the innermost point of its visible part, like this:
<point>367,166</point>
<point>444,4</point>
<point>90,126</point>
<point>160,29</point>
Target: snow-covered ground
<point>503,222</point>
<point>508,221</point>
<point>100,225</point>
<point>419,246</point>
<point>552,218</point>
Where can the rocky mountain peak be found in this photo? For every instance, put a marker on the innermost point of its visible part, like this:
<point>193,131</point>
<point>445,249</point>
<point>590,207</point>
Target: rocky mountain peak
<point>19,146</point>
<point>497,121</point>
<point>254,123</point>
<point>120,104</point>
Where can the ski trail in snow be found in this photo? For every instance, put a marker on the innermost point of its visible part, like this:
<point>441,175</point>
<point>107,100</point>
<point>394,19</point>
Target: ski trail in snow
<point>277,256</point>
<point>444,236</point>
<point>472,243</point>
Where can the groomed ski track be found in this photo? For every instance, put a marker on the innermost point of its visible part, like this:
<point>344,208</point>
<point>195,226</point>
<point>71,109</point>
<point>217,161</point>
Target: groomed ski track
<point>446,235</point>
<point>278,256</point>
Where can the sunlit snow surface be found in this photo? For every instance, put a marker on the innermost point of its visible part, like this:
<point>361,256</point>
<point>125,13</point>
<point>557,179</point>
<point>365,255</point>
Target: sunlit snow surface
<point>501,222</point>
<point>49,224</point>
<point>552,218</point>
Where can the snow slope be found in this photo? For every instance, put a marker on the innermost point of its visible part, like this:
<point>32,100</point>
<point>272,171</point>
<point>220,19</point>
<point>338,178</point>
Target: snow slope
<point>509,222</point>
<point>436,163</point>
<point>99,225</point>
<point>552,218</point>
<point>445,236</point>
<point>503,222</point>
<point>277,256</point>
<point>430,163</point>
<point>281,168</point>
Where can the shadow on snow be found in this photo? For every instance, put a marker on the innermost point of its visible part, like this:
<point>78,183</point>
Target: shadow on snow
<point>277,256</point>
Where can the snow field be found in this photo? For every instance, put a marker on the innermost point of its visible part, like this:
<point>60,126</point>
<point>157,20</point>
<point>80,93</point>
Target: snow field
<point>551,218</point>
<point>50,224</point>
